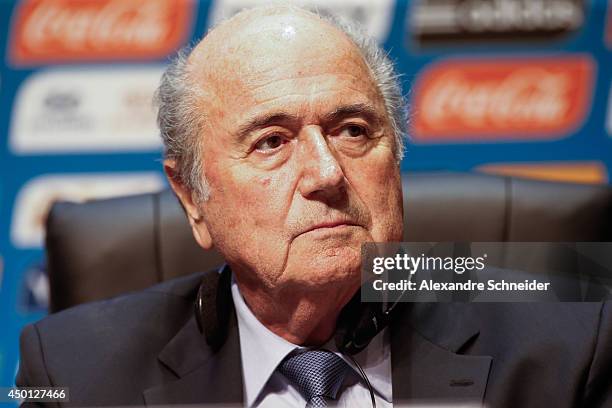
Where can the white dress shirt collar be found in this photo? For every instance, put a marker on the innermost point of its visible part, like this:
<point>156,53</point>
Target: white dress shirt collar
<point>262,351</point>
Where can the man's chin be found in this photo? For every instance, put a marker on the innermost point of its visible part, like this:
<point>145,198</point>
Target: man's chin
<point>322,260</point>
<point>327,267</point>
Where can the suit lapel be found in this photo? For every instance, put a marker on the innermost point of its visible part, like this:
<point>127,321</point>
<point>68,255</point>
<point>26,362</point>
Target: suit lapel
<point>426,342</point>
<point>206,375</point>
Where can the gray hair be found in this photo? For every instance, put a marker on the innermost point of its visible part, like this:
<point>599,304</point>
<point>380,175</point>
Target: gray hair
<point>180,121</point>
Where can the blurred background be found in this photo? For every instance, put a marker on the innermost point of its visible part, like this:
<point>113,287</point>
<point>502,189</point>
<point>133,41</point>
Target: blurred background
<point>513,87</point>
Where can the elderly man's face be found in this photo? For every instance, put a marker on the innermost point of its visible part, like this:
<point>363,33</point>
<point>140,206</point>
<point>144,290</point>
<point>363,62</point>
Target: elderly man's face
<point>298,152</point>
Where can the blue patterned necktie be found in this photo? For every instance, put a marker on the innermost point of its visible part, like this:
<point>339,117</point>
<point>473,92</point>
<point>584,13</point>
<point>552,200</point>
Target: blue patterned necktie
<point>317,374</point>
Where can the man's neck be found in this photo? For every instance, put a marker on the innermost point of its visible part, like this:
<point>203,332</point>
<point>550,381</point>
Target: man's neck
<point>303,317</point>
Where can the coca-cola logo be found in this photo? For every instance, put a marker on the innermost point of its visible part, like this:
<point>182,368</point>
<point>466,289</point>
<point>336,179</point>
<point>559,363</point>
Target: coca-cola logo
<point>46,31</point>
<point>513,99</point>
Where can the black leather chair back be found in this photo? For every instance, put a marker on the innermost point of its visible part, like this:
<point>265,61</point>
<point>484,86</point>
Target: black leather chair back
<point>103,248</point>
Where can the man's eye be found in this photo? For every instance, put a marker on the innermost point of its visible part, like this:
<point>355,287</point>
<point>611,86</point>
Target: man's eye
<point>269,143</point>
<point>354,131</point>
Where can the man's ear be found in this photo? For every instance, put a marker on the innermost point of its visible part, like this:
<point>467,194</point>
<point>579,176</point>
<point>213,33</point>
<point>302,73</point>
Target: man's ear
<point>191,207</point>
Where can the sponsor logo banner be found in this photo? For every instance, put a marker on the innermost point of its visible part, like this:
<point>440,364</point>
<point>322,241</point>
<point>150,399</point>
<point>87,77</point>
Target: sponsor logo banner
<point>36,197</point>
<point>571,172</point>
<point>72,110</point>
<point>51,31</point>
<point>456,21</point>
<point>374,16</point>
<point>503,99</point>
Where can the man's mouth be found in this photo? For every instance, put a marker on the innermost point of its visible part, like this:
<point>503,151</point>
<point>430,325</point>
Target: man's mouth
<point>329,226</point>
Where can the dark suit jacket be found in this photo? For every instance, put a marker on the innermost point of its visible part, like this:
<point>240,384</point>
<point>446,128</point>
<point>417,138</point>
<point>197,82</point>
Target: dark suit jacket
<point>145,348</point>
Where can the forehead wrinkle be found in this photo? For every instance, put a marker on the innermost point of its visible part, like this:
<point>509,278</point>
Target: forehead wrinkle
<point>264,94</point>
<point>313,111</point>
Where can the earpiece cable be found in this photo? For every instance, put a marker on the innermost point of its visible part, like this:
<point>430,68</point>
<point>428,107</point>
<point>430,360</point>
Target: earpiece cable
<point>365,378</point>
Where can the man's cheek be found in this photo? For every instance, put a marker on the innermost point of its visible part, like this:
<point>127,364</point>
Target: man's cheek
<point>268,253</point>
<point>377,179</point>
<point>381,189</point>
<point>253,201</point>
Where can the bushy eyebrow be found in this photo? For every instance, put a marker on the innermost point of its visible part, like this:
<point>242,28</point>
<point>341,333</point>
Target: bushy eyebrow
<point>358,109</point>
<point>263,121</point>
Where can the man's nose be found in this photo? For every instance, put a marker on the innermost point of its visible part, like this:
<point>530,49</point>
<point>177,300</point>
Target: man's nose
<point>322,176</point>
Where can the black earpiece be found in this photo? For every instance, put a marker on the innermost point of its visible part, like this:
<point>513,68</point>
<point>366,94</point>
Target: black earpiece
<point>213,306</point>
<point>359,322</point>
